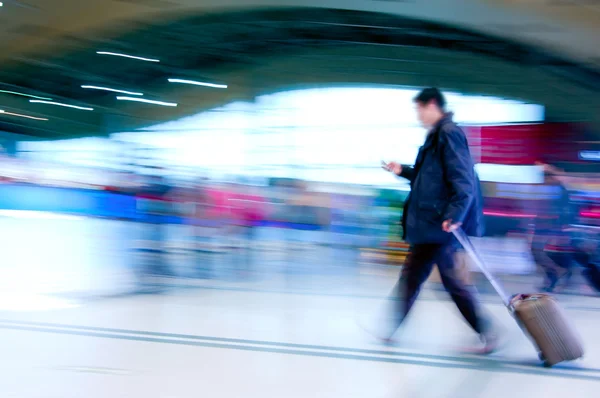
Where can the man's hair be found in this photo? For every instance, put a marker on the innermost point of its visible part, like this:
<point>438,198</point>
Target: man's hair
<point>431,94</point>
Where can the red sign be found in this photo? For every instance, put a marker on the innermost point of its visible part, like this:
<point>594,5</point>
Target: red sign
<point>525,144</point>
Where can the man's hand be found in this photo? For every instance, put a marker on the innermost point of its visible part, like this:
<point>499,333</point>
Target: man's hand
<point>392,167</point>
<point>449,226</point>
<point>549,168</point>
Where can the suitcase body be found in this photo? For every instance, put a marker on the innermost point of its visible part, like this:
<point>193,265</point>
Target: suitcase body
<point>539,315</point>
<point>542,318</point>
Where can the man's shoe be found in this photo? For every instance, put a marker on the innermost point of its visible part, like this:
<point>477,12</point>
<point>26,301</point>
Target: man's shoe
<point>383,338</point>
<point>490,343</point>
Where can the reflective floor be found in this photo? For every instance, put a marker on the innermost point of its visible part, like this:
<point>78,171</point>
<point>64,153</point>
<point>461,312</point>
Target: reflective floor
<point>80,316</point>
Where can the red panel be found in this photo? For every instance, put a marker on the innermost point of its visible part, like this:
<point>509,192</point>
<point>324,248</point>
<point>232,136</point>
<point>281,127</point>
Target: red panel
<point>527,143</point>
<point>516,144</point>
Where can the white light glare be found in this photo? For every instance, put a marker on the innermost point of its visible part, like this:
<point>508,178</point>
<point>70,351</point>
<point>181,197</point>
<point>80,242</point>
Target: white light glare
<point>127,56</point>
<point>24,95</point>
<point>25,116</point>
<point>111,90</point>
<point>83,108</point>
<point>34,214</point>
<point>146,101</point>
<point>195,83</point>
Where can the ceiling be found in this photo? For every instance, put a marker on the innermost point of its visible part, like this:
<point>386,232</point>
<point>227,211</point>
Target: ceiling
<point>255,48</point>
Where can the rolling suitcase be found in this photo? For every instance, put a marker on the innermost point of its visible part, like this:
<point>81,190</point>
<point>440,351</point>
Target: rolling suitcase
<point>539,315</point>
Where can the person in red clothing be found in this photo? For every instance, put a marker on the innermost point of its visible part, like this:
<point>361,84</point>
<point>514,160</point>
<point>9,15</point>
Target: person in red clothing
<point>247,210</point>
<point>217,210</point>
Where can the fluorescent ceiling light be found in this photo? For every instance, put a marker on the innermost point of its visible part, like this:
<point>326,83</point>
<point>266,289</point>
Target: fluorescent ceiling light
<point>127,56</point>
<point>25,116</point>
<point>83,108</point>
<point>111,90</point>
<point>146,101</point>
<point>24,95</point>
<point>195,83</point>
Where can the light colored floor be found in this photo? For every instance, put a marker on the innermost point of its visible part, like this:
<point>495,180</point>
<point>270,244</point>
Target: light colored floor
<point>271,333</point>
<point>250,344</point>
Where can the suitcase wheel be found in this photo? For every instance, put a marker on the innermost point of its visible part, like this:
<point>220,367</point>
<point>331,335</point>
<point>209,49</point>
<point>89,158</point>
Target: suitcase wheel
<point>543,359</point>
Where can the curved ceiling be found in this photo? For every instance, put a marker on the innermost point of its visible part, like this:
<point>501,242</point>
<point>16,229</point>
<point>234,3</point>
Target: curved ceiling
<point>258,50</point>
<point>569,27</point>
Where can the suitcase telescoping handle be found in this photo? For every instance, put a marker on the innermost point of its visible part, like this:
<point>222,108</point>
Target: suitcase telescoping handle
<point>464,240</point>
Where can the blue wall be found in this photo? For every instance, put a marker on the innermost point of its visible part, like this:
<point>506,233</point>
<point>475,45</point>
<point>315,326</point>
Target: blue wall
<point>67,200</point>
<point>86,202</point>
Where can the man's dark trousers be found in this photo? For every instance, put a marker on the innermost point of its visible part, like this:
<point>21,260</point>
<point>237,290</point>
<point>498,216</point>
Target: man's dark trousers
<point>416,270</point>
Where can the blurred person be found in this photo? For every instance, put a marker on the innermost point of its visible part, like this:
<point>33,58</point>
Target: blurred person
<point>297,217</point>
<point>248,208</point>
<point>562,250</point>
<point>445,195</point>
<point>155,196</point>
<point>587,256</point>
<point>200,218</point>
<point>552,245</point>
<point>324,214</point>
<point>217,211</point>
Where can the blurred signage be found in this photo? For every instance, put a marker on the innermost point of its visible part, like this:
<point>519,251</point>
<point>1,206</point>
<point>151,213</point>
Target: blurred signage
<point>527,191</point>
<point>593,156</point>
<point>512,145</point>
<point>525,144</point>
<point>520,191</point>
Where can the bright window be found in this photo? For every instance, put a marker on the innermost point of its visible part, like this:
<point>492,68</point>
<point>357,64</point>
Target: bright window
<point>323,134</point>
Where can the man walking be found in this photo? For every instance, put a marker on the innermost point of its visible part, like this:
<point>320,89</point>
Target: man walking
<point>445,195</point>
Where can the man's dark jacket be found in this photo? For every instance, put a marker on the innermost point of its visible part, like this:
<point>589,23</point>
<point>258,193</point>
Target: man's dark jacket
<point>444,186</point>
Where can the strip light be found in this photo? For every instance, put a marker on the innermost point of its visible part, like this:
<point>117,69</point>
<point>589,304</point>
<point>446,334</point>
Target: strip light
<point>83,108</point>
<point>111,90</point>
<point>146,101</point>
<point>25,116</point>
<point>589,214</point>
<point>127,56</point>
<point>25,95</point>
<point>508,214</point>
<point>195,83</point>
